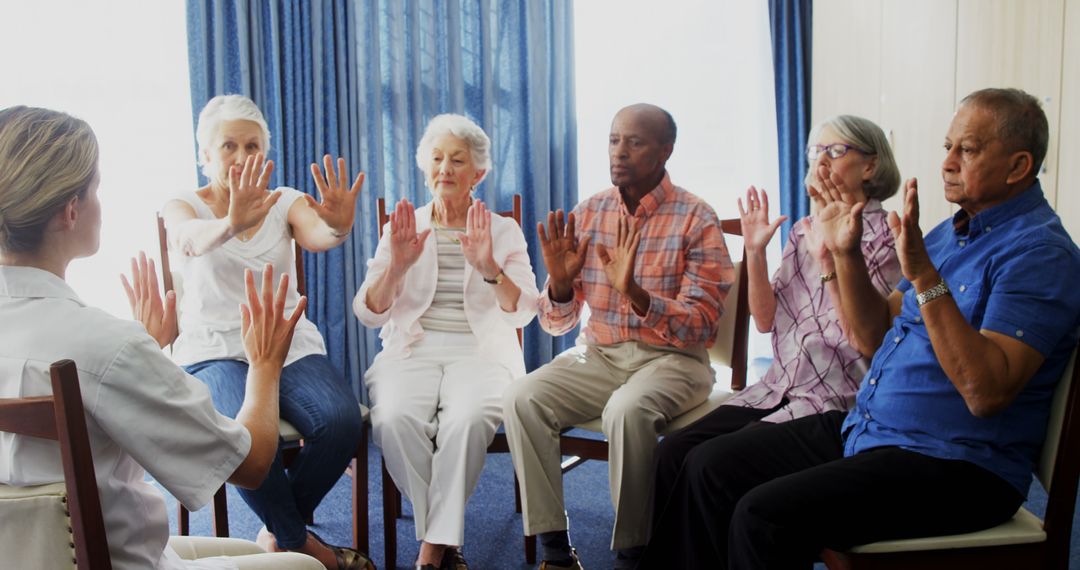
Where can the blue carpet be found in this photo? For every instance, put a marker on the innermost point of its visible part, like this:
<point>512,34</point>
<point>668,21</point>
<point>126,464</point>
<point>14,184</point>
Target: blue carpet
<point>493,535</point>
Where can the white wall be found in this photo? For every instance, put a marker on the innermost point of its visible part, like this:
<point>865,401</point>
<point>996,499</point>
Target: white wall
<point>121,66</point>
<point>710,65</point>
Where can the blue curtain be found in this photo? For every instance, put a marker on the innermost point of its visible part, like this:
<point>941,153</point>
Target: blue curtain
<point>361,79</point>
<point>790,24</point>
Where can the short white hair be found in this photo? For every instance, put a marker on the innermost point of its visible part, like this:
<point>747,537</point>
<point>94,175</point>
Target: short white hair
<point>461,127</point>
<point>226,108</point>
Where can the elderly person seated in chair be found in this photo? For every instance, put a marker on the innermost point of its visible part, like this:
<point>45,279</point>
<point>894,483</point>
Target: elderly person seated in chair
<point>953,410</point>
<point>448,305</point>
<point>815,368</point>
<point>235,223</point>
<point>143,412</point>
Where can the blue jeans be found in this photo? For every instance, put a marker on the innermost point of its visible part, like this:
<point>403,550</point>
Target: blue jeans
<point>322,407</point>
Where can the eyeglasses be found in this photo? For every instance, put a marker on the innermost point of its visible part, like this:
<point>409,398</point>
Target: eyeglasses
<point>835,150</point>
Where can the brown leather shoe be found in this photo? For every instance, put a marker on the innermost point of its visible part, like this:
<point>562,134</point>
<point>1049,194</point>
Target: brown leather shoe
<point>347,558</point>
<point>453,559</point>
<point>575,563</point>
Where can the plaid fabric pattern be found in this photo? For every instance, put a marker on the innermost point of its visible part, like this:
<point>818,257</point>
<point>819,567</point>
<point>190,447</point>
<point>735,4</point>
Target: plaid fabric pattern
<point>682,262</point>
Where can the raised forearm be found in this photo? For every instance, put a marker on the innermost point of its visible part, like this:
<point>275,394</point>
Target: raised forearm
<point>259,414</point>
<point>861,306</point>
<point>384,290</point>
<point>196,237</point>
<point>760,294</point>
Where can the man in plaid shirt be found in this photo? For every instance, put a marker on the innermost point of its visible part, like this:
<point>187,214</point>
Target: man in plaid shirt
<point>649,260</point>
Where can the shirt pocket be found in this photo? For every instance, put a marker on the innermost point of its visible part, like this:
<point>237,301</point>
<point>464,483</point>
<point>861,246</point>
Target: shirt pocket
<point>663,281</point>
<point>969,299</point>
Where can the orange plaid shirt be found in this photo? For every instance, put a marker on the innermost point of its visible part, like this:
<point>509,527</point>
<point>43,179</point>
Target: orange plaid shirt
<point>682,262</point>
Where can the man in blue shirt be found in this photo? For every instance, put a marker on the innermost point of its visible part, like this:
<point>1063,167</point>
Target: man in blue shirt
<point>966,352</point>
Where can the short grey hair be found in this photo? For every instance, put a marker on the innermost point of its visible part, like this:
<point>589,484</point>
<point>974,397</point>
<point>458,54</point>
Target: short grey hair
<point>1021,121</point>
<point>864,135</point>
<point>461,127</point>
<point>226,108</point>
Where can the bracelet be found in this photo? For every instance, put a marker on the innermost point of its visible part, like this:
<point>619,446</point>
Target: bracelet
<point>497,280</point>
<point>939,290</point>
<point>337,234</point>
<point>826,277</point>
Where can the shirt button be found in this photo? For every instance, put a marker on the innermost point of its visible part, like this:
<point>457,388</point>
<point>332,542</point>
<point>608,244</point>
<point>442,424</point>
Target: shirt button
<point>873,381</point>
<point>962,243</point>
<point>988,228</point>
<point>896,340</point>
<point>866,415</point>
<point>963,288</point>
<point>918,319</point>
<point>1019,332</point>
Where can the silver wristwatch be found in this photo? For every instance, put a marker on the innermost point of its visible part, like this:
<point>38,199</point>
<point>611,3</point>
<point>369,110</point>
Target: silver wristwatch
<point>932,293</point>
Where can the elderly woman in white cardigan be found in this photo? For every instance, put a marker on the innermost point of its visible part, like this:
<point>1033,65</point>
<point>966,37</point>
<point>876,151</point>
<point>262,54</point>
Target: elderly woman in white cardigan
<point>449,284</point>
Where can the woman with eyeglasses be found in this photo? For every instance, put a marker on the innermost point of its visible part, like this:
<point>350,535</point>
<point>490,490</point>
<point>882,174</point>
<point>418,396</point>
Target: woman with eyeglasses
<point>814,368</point>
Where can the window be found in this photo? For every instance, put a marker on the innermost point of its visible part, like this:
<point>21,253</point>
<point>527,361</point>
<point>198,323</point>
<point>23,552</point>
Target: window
<point>122,67</point>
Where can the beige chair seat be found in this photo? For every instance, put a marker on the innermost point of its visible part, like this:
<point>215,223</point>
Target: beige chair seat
<point>717,397</point>
<point>1023,528</point>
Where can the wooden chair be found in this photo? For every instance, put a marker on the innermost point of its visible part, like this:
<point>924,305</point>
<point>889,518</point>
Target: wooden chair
<point>729,350</point>
<point>67,516</point>
<point>1022,542</point>
<point>291,439</point>
<point>391,494</point>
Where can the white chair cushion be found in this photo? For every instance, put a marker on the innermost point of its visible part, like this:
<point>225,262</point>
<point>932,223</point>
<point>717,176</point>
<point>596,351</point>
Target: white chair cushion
<point>716,397</point>
<point>1023,528</point>
<point>36,527</point>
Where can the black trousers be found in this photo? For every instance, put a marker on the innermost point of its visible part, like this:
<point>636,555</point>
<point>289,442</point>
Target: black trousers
<point>774,496</point>
<point>673,449</point>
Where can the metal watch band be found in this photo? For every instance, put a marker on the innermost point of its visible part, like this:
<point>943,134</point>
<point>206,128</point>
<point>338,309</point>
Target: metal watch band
<point>932,293</point>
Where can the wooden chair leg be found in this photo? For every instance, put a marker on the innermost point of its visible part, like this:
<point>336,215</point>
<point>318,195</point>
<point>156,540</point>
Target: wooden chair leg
<point>391,512</point>
<point>182,520</point>
<point>221,514</point>
<point>360,497</point>
<point>530,549</point>
<point>517,496</point>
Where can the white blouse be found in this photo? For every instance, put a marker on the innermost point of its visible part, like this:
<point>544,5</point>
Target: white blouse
<point>212,288</point>
<point>142,413</point>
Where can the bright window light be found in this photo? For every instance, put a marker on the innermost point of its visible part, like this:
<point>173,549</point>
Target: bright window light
<point>122,67</point>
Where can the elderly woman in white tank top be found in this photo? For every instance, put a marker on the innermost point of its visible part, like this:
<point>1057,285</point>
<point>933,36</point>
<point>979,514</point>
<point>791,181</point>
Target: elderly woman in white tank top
<point>233,223</point>
<point>449,284</point>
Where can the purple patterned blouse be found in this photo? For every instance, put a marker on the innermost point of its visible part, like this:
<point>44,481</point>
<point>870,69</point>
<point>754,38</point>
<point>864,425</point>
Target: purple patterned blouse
<point>813,365</point>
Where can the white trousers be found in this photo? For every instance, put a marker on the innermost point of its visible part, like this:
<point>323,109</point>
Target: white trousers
<point>433,415</point>
<point>636,389</point>
<point>246,555</point>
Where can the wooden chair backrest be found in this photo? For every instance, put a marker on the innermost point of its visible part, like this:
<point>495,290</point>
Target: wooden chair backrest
<point>61,418</point>
<point>1059,463</point>
<point>733,331</point>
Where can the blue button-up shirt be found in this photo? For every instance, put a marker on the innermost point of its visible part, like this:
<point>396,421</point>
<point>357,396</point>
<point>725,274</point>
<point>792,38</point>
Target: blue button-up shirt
<point>1012,270</point>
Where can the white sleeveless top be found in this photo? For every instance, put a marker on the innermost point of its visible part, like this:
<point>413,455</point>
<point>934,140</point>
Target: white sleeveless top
<point>213,288</point>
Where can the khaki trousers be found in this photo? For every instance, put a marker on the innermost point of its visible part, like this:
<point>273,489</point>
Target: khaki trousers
<point>636,389</point>
<point>245,554</point>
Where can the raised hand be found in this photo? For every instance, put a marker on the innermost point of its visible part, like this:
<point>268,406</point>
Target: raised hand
<point>564,254</point>
<point>338,204</point>
<point>476,241</point>
<point>249,201</point>
<point>910,248</point>
<point>840,222</point>
<point>146,306</point>
<point>756,227</point>
<point>266,331</point>
<point>815,244</point>
<point>619,261</point>
<point>405,244</point>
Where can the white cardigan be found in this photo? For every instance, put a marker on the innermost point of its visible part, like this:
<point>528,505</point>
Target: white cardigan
<point>494,328</point>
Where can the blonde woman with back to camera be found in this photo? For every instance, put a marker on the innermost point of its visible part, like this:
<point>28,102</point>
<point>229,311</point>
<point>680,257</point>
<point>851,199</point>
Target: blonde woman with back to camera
<point>143,412</point>
<point>449,284</point>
